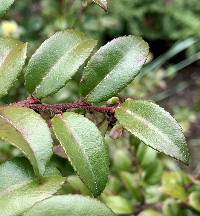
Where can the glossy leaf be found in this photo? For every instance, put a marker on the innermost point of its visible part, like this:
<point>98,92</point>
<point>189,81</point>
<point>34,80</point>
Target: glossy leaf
<point>102,3</point>
<point>4,5</point>
<point>20,189</point>
<point>56,61</point>
<point>113,67</point>
<point>69,205</point>
<point>26,130</point>
<point>155,127</point>
<point>85,147</point>
<point>12,59</point>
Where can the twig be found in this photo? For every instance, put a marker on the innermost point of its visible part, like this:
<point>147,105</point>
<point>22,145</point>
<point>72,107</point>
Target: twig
<point>33,103</point>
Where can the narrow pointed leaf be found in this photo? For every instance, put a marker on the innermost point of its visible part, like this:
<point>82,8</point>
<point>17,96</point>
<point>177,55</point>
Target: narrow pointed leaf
<point>4,5</point>
<point>20,189</point>
<point>56,61</point>
<point>12,59</point>
<point>155,127</point>
<point>113,67</point>
<point>69,205</point>
<point>26,130</point>
<point>85,148</point>
<point>102,3</point>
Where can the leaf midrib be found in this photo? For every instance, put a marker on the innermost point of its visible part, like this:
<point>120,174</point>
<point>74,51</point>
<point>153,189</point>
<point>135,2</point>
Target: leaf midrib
<point>83,150</point>
<point>148,124</point>
<point>112,69</point>
<point>57,63</point>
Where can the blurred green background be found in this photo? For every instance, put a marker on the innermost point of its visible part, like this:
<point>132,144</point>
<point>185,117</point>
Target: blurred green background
<point>171,77</point>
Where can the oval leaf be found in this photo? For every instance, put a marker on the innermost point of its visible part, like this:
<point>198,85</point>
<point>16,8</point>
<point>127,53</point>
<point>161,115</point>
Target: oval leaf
<point>19,170</point>
<point>4,5</point>
<point>24,196</point>
<point>20,189</point>
<point>194,200</point>
<point>26,130</point>
<point>15,172</point>
<point>12,59</point>
<point>119,205</point>
<point>69,205</point>
<point>85,147</point>
<point>155,127</point>
<point>102,3</point>
<point>113,67</point>
<point>56,61</point>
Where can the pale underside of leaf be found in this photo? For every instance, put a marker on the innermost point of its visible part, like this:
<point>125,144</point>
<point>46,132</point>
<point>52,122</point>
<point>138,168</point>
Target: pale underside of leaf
<point>19,198</point>
<point>4,5</point>
<point>15,172</point>
<point>70,205</point>
<point>155,127</point>
<point>19,170</point>
<point>12,59</point>
<point>26,130</point>
<point>113,67</point>
<point>85,148</point>
<point>56,61</point>
<point>20,189</point>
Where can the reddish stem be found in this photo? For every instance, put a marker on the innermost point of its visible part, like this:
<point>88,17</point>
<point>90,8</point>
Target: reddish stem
<point>35,104</point>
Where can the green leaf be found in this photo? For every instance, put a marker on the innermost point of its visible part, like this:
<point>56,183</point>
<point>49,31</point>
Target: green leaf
<point>145,156</point>
<point>12,59</point>
<point>56,61</point>
<point>85,147</point>
<point>122,160</point>
<point>69,205</point>
<point>4,5</point>
<point>19,170</point>
<point>172,208</point>
<point>150,212</point>
<point>76,183</point>
<point>153,172</point>
<point>102,3</point>
<point>15,172</point>
<point>132,184</point>
<point>194,200</point>
<point>174,183</point>
<point>113,67</point>
<point>118,204</point>
<point>20,189</point>
<point>26,130</point>
<point>155,127</point>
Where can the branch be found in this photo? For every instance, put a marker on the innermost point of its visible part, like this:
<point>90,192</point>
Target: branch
<point>33,103</point>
